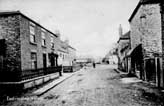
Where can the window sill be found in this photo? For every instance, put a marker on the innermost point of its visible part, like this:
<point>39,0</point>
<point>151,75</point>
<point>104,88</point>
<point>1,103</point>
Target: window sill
<point>52,48</point>
<point>44,46</point>
<point>33,43</point>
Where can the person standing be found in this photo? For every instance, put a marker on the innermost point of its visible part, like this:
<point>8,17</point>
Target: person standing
<point>94,65</point>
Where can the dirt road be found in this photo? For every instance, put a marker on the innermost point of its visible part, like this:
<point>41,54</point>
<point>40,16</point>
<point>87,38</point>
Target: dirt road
<point>101,86</point>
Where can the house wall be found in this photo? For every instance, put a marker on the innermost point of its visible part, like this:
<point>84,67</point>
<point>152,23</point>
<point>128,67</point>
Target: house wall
<point>9,30</point>
<point>14,28</point>
<point>146,29</point>
<point>121,55</point>
<point>162,21</point>
<point>27,47</point>
<point>71,55</point>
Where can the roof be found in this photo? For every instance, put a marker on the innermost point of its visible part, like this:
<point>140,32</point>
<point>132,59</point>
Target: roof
<point>141,2</point>
<point>126,35</point>
<point>71,47</point>
<point>133,50</point>
<point>5,13</point>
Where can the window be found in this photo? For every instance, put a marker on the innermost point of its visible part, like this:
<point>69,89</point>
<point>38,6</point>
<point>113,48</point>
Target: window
<point>60,55</point>
<point>32,33</point>
<point>52,42</point>
<point>63,56</point>
<point>43,38</point>
<point>33,60</point>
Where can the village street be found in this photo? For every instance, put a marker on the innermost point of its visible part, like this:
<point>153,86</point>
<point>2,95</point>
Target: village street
<point>101,86</point>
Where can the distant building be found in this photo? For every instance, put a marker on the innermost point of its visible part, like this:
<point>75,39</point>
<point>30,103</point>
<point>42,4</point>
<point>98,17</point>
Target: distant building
<point>110,57</point>
<point>71,55</point>
<point>122,50</point>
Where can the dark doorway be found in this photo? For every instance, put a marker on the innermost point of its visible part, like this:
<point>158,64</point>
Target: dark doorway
<point>53,59</point>
<point>44,61</point>
<point>2,53</point>
<point>150,70</point>
<point>158,72</point>
<point>137,61</point>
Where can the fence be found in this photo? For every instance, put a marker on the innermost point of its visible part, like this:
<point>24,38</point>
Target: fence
<point>14,76</point>
<point>67,68</point>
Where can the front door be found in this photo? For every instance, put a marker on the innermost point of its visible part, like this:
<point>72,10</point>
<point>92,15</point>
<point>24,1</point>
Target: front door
<point>44,61</point>
<point>2,53</point>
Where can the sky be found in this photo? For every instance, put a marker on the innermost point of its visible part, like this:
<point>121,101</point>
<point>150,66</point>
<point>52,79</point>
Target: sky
<point>90,25</point>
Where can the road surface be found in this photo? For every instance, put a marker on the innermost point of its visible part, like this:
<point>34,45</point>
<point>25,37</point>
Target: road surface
<point>100,86</point>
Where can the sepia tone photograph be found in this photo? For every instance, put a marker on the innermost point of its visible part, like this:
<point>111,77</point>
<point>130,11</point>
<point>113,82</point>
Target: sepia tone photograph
<point>81,53</point>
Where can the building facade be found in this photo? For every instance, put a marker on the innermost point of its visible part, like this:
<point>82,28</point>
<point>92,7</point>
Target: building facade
<point>122,50</point>
<point>67,54</point>
<point>28,50</point>
<point>28,44</point>
<point>146,23</point>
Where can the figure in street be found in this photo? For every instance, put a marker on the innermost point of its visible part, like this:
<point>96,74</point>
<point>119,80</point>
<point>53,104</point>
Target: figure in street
<point>94,65</point>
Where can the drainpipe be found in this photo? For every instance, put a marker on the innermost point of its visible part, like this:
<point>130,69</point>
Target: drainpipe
<point>162,37</point>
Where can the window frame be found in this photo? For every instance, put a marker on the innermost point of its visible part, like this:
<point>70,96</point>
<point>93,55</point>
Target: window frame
<point>52,42</point>
<point>33,60</point>
<point>32,33</point>
<point>43,37</point>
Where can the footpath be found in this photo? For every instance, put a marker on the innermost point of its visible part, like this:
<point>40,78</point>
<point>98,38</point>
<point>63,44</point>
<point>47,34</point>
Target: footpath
<point>54,83</point>
<point>148,90</point>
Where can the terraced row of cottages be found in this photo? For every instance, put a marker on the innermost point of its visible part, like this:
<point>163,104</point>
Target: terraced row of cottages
<point>141,50</point>
<point>29,53</point>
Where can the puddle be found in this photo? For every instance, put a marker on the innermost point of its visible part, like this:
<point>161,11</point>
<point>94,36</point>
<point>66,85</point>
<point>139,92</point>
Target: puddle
<point>130,80</point>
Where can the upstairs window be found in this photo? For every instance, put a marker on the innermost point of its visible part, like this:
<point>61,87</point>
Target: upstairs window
<point>43,38</point>
<point>32,33</point>
<point>52,42</point>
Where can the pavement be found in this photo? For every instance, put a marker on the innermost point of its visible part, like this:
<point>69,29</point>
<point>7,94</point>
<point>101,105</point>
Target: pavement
<point>54,83</point>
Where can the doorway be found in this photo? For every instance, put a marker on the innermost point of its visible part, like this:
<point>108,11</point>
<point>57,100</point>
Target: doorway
<point>44,61</point>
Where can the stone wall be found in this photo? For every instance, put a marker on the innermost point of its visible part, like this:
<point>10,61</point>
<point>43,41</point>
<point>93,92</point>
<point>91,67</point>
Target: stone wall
<point>123,48</point>
<point>146,29</point>
<point>121,45</point>
<point>9,30</point>
<point>162,21</point>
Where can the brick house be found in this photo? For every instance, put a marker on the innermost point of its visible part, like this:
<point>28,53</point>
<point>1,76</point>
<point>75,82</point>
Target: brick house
<point>67,56</point>
<point>27,50</point>
<point>71,55</point>
<point>122,50</point>
<point>146,23</point>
